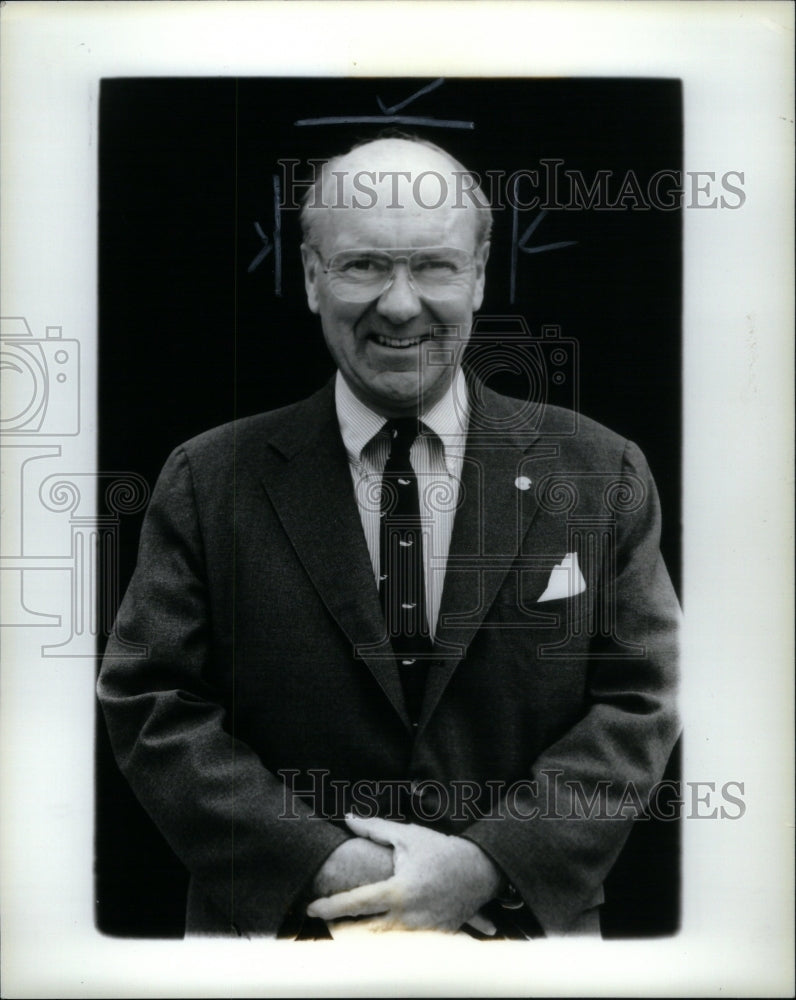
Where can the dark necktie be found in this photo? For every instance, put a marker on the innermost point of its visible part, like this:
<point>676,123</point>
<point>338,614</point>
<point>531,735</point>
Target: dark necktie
<point>401,582</point>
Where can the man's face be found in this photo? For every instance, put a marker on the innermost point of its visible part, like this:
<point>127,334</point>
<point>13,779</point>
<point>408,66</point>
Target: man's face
<point>381,345</point>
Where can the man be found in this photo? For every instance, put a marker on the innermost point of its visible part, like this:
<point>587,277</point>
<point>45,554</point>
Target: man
<point>409,646</point>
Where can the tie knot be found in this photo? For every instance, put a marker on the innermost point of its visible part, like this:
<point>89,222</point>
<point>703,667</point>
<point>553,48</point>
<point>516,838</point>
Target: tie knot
<point>402,431</point>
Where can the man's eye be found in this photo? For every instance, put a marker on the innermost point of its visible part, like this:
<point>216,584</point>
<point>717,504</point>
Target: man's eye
<point>435,265</point>
<point>363,266</point>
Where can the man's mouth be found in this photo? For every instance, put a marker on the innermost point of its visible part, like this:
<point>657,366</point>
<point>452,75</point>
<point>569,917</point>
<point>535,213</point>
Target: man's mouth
<point>400,343</point>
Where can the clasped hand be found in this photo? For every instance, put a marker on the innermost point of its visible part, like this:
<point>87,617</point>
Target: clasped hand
<point>437,882</point>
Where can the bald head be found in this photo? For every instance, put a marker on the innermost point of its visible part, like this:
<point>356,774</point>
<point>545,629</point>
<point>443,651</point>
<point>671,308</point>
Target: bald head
<point>396,178</point>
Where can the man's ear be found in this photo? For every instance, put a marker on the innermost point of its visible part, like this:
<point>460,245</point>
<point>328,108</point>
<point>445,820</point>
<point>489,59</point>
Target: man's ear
<point>480,257</point>
<point>312,270</point>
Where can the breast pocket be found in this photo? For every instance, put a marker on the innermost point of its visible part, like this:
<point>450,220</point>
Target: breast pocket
<point>558,629</point>
<point>542,649</point>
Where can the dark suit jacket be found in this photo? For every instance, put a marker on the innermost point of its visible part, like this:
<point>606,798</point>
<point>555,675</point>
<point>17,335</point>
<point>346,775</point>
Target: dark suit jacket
<point>250,642</point>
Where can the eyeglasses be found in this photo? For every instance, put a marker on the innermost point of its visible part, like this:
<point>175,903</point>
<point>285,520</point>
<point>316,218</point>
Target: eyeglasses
<point>362,275</point>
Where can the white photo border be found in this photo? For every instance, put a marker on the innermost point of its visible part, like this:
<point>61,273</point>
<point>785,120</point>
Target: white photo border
<point>736,63</point>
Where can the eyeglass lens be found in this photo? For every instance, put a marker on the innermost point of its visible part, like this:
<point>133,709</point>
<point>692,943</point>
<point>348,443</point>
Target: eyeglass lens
<point>358,275</point>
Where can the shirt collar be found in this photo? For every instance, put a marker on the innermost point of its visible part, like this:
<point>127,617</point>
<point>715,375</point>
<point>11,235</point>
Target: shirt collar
<point>448,418</point>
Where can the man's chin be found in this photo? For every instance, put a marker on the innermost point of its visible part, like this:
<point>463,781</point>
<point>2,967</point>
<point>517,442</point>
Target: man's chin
<point>398,393</point>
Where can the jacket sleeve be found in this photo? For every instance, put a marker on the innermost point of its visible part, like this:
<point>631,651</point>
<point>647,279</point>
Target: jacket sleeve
<point>559,837</point>
<point>209,793</point>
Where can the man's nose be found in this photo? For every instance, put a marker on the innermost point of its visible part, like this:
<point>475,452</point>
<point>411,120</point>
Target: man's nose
<point>399,302</point>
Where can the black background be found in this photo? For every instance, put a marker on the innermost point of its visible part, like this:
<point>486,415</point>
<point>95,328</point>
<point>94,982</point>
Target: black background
<point>190,337</point>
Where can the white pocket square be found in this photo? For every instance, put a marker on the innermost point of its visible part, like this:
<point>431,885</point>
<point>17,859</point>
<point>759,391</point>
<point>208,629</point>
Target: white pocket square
<point>566,579</point>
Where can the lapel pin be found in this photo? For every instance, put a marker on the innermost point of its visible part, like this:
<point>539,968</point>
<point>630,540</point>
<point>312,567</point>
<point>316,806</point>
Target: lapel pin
<point>522,483</point>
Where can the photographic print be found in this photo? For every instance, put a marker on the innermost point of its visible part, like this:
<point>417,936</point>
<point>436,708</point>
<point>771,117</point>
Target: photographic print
<point>363,525</point>
<point>233,160</point>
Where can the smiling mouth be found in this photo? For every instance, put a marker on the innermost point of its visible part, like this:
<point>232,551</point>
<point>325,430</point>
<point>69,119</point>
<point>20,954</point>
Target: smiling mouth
<point>400,343</point>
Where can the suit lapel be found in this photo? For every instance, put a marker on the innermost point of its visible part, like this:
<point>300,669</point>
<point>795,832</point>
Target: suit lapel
<point>312,492</point>
<point>495,515</point>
